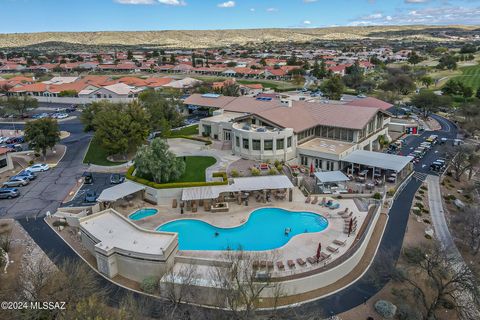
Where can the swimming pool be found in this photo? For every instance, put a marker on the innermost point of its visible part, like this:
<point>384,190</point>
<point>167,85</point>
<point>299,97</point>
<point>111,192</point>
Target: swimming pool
<point>264,230</point>
<point>142,213</point>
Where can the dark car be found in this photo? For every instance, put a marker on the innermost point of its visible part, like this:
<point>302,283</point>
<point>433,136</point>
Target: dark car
<point>25,173</point>
<point>87,177</point>
<point>9,193</point>
<point>116,178</point>
<point>90,196</point>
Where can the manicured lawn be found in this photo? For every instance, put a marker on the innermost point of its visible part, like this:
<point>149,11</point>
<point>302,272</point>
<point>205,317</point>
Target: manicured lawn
<point>186,131</point>
<point>470,76</point>
<point>195,171</point>
<point>96,155</point>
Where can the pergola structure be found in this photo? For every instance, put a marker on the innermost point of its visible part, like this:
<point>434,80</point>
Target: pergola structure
<point>327,179</point>
<point>379,160</point>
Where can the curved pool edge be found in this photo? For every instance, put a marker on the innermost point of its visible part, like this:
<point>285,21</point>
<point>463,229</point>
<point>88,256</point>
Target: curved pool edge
<point>327,227</point>
<point>145,208</point>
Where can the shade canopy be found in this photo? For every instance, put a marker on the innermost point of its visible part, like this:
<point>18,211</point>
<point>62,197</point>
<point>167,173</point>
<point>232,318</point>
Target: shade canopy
<point>378,160</point>
<point>239,184</point>
<point>331,176</point>
<point>120,191</point>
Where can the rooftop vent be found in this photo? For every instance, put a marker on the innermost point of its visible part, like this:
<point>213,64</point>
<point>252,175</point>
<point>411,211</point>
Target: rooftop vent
<point>286,103</point>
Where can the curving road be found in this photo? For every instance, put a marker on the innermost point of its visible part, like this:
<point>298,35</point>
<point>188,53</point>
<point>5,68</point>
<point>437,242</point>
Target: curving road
<point>342,301</point>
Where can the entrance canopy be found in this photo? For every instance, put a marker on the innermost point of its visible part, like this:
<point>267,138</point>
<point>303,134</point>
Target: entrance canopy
<point>239,184</point>
<point>378,160</point>
<point>331,176</point>
<point>120,191</point>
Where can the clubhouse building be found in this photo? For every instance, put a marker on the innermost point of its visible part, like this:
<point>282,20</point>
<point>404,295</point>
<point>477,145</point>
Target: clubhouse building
<point>281,128</point>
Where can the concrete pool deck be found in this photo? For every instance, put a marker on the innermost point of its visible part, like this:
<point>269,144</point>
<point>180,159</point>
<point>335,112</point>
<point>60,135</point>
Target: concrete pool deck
<point>300,246</point>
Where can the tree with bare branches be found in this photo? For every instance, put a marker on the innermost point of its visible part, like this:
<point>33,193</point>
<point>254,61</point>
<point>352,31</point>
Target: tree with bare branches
<point>437,281</point>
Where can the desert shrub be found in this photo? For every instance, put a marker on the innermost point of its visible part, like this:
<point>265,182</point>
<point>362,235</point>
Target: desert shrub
<point>418,198</point>
<point>385,308</point>
<point>425,211</point>
<point>31,162</point>
<point>391,192</point>
<point>5,243</point>
<point>429,237</point>
<point>424,188</point>
<point>149,285</point>
<point>419,205</point>
<point>406,312</point>
<point>272,171</point>
<point>426,221</point>
<point>421,192</point>
<point>60,223</point>
<point>279,167</point>
<point>377,196</point>
<point>234,173</point>
<point>276,163</point>
<point>417,211</point>
<point>255,172</point>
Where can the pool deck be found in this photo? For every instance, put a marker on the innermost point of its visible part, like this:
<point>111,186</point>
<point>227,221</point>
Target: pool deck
<point>300,246</point>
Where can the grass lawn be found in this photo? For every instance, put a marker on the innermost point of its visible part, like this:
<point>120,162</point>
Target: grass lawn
<point>186,131</point>
<point>97,155</point>
<point>470,77</point>
<point>195,171</point>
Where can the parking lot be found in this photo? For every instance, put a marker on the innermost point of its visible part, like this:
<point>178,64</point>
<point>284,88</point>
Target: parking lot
<point>101,181</point>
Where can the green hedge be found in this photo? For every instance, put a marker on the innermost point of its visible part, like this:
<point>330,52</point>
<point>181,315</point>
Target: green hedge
<point>174,185</point>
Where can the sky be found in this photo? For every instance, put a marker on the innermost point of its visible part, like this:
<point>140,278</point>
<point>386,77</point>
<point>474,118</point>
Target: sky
<point>18,16</point>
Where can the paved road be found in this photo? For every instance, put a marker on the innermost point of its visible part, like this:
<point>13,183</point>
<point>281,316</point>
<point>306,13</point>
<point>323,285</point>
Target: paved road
<point>50,188</point>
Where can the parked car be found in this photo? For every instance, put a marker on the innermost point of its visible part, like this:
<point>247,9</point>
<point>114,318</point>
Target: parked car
<point>16,181</point>
<point>87,178</point>
<point>116,178</point>
<point>62,115</point>
<point>90,196</point>
<point>25,173</point>
<point>39,167</point>
<point>9,193</point>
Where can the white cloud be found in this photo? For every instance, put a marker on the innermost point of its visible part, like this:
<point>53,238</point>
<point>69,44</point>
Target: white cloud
<point>309,1</point>
<point>416,1</point>
<point>307,22</point>
<point>165,2</point>
<point>227,4</point>
<point>252,9</point>
<point>272,9</point>
<point>433,16</point>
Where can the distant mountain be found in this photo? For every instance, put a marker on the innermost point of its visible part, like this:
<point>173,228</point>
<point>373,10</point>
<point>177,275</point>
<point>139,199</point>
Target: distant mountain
<point>222,38</point>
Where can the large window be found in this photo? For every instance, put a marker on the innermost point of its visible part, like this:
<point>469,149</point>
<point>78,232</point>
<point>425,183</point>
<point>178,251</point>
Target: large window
<point>268,145</point>
<point>289,142</point>
<point>280,144</point>
<point>245,144</point>
<point>256,144</point>
<point>237,142</point>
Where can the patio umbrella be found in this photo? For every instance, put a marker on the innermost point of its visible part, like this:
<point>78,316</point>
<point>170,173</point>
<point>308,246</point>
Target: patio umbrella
<point>311,168</point>
<point>350,225</point>
<point>319,250</point>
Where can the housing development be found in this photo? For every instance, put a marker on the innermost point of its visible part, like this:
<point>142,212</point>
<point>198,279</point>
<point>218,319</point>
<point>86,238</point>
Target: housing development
<point>290,173</point>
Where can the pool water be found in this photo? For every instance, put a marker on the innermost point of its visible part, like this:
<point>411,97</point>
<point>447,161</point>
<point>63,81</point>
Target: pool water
<point>142,213</point>
<point>264,230</point>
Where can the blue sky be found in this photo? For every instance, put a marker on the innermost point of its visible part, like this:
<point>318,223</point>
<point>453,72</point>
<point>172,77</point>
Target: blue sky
<point>100,15</point>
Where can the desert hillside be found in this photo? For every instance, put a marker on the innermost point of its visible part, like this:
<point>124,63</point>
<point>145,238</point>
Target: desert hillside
<point>221,38</point>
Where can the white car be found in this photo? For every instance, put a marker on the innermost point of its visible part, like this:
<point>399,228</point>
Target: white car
<point>39,167</point>
<point>62,116</point>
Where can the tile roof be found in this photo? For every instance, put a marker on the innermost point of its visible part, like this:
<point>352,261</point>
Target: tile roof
<point>300,116</point>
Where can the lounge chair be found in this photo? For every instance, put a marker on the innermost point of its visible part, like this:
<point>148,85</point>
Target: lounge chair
<point>312,260</point>
<point>174,203</point>
<point>269,264</point>
<point>308,199</point>
<point>340,242</point>
<point>347,217</point>
<point>301,262</point>
<point>291,264</point>
<point>280,265</point>
<point>332,249</point>
<point>263,264</point>
<point>323,202</point>
<point>325,256</point>
<point>255,264</point>
<point>315,200</point>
